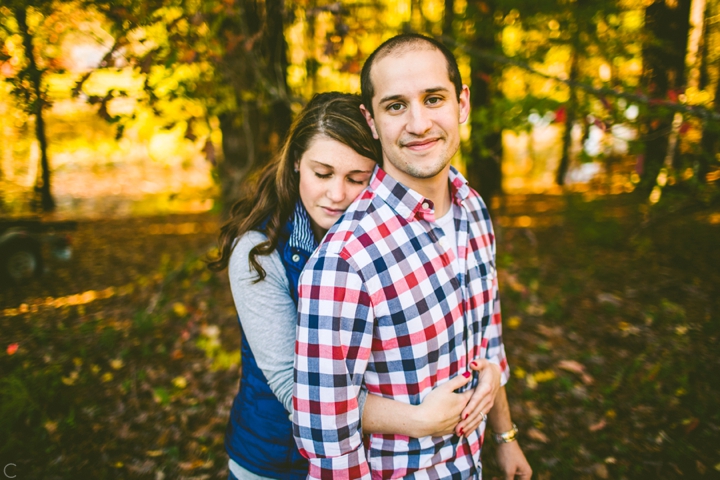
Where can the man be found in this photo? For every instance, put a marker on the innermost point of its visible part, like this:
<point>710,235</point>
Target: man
<point>402,294</point>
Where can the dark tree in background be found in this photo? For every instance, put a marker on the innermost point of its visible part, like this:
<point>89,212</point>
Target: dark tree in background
<point>255,68</point>
<point>667,25</point>
<point>242,43</point>
<point>30,91</point>
<point>484,164</point>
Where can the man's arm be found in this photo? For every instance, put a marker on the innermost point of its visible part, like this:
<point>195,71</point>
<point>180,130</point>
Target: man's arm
<point>334,337</point>
<point>510,457</point>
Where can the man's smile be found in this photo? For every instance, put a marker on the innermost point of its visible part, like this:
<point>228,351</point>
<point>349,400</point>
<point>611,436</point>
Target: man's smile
<point>421,144</point>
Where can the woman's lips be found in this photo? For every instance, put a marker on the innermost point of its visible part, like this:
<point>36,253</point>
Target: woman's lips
<point>333,211</point>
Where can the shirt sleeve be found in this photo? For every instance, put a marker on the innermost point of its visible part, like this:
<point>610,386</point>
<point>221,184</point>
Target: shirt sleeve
<point>334,338</point>
<point>495,352</point>
<point>267,314</point>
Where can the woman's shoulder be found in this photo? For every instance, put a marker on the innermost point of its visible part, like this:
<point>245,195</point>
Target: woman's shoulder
<point>248,240</point>
<point>239,259</point>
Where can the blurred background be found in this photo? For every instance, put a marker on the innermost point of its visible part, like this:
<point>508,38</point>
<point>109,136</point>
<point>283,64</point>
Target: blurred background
<point>128,128</point>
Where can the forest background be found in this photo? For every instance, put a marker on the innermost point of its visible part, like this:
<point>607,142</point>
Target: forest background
<point>594,135</point>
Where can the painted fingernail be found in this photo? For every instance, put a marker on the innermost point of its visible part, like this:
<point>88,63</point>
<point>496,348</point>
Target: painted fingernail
<point>473,363</point>
<point>466,374</point>
<point>466,415</point>
<point>462,432</point>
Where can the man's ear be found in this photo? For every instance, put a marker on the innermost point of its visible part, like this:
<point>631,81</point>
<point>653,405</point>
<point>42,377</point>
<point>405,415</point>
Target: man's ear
<point>464,104</point>
<point>370,121</point>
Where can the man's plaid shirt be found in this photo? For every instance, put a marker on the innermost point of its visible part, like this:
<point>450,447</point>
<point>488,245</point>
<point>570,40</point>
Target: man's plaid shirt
<point>381,305</point>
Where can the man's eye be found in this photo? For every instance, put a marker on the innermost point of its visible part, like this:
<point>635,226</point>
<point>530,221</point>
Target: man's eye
<point>395,107</point>
<point>434,100</point>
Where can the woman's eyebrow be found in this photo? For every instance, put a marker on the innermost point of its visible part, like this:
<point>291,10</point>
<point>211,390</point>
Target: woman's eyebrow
<point>333,168</point>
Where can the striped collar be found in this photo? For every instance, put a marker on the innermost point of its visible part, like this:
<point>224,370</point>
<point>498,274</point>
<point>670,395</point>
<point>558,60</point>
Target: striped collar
<point>302,236</point>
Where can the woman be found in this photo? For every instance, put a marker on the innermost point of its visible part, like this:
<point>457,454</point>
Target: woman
<point>326,161</point>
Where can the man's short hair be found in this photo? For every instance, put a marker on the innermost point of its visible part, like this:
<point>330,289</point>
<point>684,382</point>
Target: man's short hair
<point>400,44</point>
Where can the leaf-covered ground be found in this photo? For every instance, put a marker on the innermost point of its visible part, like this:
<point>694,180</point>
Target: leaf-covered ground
<point>123,363</point>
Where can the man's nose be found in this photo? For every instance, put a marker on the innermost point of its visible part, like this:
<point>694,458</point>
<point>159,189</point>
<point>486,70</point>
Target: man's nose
<point>419,121</point>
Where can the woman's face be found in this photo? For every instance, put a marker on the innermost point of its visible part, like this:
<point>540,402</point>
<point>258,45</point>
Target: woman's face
<point>332,175</point>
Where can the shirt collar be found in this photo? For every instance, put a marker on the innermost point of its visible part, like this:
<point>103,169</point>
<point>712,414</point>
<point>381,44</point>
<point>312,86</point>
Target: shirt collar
<point>408,202</point>
<point>301,235</point>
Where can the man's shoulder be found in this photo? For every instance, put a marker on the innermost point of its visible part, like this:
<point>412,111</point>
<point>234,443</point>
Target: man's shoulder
<point>365,222</point>
<point>476,205</point>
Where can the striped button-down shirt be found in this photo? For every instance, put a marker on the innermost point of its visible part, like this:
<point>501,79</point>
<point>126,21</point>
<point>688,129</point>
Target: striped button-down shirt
<point>382,304</point>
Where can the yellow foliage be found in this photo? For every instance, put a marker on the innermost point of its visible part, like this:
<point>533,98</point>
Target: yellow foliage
<point>544,376</point>
<point>514,322</point>
<point>116,364</point>
<point>180,382</point>
<point>179,309</point>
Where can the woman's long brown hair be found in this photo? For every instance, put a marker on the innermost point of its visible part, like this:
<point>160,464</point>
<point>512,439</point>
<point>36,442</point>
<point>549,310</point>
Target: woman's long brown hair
<point>274,194</point>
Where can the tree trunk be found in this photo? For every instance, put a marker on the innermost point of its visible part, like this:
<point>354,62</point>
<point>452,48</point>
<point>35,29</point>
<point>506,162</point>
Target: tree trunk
<point>256,68</point>
<point>570,113</point>
<point>709,147</point>
<point>281,114</point>
<point>710,139</point>
<point>37,104</point>
<point>664,65</point>
<point>484,166</point>
<point>448,17</point>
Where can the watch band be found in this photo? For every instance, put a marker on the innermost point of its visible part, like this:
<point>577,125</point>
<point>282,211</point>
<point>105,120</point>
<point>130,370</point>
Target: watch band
<point>507,437</point>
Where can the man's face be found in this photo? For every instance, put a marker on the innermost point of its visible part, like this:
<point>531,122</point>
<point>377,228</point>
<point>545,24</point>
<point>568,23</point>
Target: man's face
<point>417,114</point>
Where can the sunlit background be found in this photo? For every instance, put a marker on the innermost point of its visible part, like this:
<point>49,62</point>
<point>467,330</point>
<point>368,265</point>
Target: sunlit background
<point>128,128</point>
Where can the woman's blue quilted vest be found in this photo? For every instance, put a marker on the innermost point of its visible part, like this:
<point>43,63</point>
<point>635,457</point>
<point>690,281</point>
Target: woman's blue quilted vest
<point>259,433</point>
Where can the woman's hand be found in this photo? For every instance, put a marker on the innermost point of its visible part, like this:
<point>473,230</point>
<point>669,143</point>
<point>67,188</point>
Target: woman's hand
<point>483,396</point>
<point>439,413</point>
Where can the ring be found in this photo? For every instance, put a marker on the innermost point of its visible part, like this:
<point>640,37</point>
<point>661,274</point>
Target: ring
<point>484,416</point>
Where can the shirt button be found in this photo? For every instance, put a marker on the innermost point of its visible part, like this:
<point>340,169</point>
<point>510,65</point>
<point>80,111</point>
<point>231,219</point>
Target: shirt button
<point>426,205</point>
<point>296,258</point>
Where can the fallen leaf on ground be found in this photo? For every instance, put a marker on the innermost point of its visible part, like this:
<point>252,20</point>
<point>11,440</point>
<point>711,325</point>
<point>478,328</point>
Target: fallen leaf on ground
<point>576,367</point>
<point>598,426</point>
<point>601,470</point>
<point>609,298</point>
<point>550,332</point>
<point>537,435</point>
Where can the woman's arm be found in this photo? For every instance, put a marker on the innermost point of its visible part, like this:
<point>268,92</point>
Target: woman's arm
<point>267,314</point>
<point>437,415</point>
<point>442,412</point>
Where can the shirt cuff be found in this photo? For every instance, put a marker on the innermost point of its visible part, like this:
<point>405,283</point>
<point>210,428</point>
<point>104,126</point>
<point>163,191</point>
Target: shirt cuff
<point>501,362</point>
<point>350,466</point>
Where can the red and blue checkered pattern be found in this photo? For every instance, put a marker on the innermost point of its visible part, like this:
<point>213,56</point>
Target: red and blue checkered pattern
<point>381,305</point>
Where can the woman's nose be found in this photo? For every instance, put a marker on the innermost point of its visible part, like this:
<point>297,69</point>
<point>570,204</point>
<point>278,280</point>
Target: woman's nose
<point>336,191</point>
